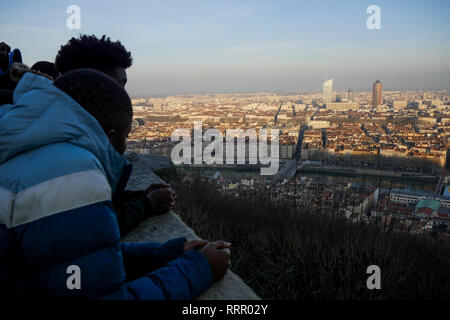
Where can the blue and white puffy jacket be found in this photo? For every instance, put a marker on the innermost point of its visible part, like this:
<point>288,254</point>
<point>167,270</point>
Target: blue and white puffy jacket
<point>58,174</point>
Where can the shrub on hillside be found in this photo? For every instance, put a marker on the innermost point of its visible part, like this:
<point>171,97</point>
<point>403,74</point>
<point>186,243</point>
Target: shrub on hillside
<point>286,252</point>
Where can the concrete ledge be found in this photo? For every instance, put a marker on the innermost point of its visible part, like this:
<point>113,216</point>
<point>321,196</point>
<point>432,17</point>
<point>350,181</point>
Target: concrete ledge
<point>170,225</point>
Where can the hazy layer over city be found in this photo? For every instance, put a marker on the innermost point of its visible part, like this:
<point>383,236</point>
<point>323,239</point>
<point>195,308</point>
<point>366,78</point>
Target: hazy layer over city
<point>248,46</point>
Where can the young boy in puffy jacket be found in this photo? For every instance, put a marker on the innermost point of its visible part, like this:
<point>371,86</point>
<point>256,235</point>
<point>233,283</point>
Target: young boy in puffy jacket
<point>112,58</point>
<point>61,164</point>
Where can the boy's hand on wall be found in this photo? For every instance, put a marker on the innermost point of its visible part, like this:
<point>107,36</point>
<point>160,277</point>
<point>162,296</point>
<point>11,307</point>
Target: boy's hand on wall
<point>162,199</point>
<point>155,186</point>
<point>220,244</point>
<point>194,244</point>
<point>218,255</point>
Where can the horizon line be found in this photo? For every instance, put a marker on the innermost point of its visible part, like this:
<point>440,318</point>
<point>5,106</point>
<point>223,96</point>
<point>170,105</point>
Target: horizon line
<point>278,92</point>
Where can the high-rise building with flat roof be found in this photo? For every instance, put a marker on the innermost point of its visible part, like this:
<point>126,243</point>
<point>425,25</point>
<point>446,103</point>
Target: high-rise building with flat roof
<point>328,91</point>
<point>377,99</point>
<point>351,95</point>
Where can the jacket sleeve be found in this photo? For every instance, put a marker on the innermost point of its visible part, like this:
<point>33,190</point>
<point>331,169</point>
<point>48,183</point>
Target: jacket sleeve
<point>184,278</point>
<point>143,257</point>
<point>131,212</point>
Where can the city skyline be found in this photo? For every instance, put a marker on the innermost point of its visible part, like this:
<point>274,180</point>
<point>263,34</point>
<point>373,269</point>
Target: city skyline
<point>342,93</point>
<point>230,47</point>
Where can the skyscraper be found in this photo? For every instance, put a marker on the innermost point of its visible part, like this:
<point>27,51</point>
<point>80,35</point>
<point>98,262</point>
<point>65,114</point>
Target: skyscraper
<point>377,99</point>
<point>328,91</point>
<point>351,94</point>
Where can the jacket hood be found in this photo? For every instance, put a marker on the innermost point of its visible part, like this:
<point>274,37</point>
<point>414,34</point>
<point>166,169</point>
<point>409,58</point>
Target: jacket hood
<point>42,114</point>
<point>18,70</point>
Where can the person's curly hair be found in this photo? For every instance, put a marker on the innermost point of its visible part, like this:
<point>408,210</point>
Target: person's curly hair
<point>91,52</point>
<point>47,68</point>
<point>98,94</point>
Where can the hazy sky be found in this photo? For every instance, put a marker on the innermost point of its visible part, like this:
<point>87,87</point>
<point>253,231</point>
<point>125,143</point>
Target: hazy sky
<point>245,46</point>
